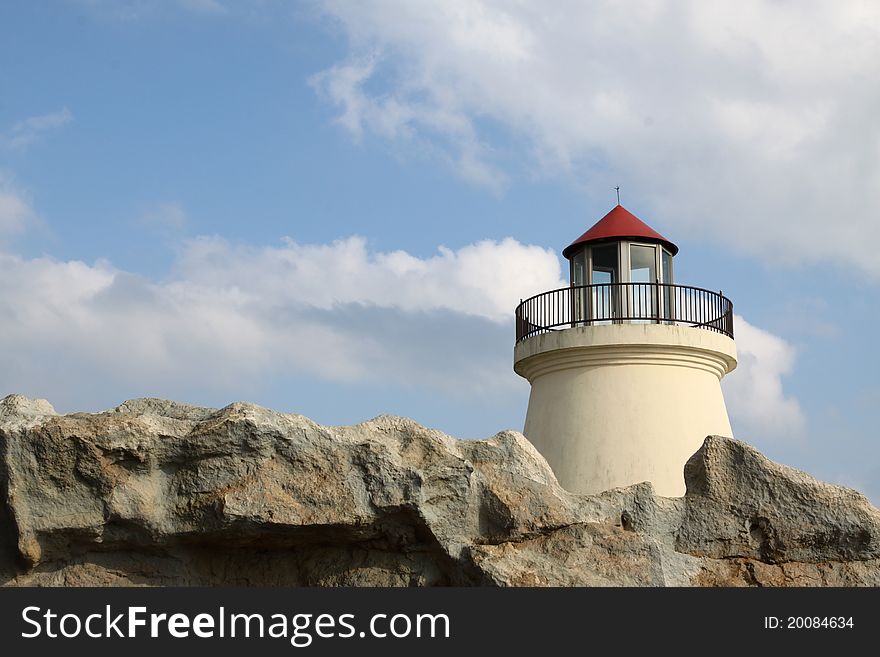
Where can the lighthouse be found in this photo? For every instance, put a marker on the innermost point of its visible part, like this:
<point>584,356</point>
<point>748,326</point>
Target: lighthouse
<point>625,365</point>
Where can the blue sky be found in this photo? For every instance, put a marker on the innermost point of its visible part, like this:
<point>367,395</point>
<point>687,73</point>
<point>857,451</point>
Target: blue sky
<point>332,208</point>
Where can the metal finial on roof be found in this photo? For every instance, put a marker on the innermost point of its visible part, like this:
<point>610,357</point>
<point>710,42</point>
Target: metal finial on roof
<point>617,189</point>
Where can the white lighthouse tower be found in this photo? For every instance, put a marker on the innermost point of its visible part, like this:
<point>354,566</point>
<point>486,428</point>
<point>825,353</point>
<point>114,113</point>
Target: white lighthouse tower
<point>625,365</point>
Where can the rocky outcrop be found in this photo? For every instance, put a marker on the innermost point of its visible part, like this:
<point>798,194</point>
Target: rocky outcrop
<point>160,493</point>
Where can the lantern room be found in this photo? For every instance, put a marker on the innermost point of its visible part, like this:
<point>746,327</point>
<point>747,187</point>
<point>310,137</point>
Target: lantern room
<point>621,271</point>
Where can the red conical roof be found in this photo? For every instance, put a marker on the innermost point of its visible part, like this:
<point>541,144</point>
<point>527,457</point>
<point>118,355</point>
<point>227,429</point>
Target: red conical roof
<point>619,224</point>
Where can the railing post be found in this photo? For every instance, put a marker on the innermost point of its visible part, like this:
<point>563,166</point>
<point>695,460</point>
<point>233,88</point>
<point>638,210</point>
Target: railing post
<point>656,300</point>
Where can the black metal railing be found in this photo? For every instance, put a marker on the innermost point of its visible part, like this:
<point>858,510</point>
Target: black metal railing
<point>624,303</point>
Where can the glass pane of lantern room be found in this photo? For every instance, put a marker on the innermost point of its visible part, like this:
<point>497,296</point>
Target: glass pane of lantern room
<point>578,278</point>
<point>642,269</point>
<point>666,292</point>
<point>604,273</point>
<point>578,268</point>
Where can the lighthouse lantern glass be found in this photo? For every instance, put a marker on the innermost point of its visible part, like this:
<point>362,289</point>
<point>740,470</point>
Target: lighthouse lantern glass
<point>579,268</point>
<point>600,268</point>
<point>642,263</point>
<point>666,293</point>
<point>666,269</point>
<point>604,265</point>
<point>604,271</point>
<point>642,299</point>
<point>579,277</point>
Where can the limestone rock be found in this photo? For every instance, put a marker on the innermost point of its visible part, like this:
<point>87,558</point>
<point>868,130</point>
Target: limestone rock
<point>741,504</point>
<point>155,492</point>
<point>19,411</point>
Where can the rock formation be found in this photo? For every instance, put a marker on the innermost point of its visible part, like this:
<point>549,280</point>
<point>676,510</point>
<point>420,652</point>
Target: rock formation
<point>161,493</point>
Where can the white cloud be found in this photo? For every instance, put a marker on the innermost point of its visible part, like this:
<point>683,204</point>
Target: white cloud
<point>484,280</point>
<point>404,117</point>
<point>753,123</point>
<point>234,317</point>
<point>167,216</point>
<point>26,132</point>
<point>16,213</point>
<point>754,393</point>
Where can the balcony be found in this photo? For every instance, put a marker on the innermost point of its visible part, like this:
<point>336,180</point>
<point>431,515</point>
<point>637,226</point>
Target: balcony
<point>624,303</point>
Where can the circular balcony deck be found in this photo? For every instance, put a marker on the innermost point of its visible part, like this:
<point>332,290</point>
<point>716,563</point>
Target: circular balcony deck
<point>624,303</point>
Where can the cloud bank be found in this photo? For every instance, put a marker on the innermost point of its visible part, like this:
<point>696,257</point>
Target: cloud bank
<point>233,316</point>
<point>752,123</point>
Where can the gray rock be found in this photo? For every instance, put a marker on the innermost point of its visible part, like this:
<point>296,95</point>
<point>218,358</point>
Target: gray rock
<point>160,493</point>
<point>17,411</point>
<point>741,504</point>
